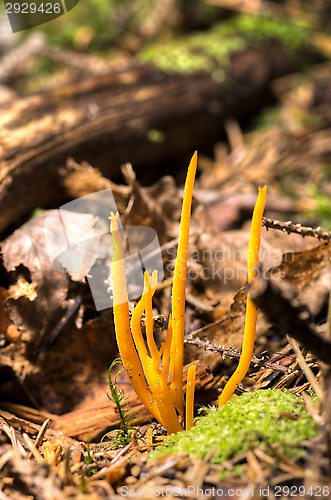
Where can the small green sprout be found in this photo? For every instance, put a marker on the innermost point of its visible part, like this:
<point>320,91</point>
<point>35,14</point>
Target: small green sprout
<point>122,436</point>
<point>89,459</point>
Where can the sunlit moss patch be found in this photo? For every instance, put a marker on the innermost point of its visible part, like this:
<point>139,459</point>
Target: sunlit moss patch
<point>257,418</point>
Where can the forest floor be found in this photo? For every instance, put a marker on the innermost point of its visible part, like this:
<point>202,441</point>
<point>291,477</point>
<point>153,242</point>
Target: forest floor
<point>72,117</point>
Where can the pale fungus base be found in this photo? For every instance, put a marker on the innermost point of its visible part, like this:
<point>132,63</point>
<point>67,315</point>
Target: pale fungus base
<point>252,419</point>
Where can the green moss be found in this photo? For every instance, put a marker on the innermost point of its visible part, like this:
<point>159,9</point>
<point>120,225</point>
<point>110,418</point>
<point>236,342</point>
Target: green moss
<point>253,419</point>
<point>210,51</point>
<point>199,52</point>
<point>258,28</point>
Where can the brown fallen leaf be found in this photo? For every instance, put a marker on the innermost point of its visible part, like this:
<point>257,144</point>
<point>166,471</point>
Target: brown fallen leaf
<point>40,296</point>
<point>308,271</point>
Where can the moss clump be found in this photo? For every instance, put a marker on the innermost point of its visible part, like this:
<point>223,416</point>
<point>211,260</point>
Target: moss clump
<point>259,28</point>
<point>199,52</point>
<point>210,51</point>
<point>253,419</point>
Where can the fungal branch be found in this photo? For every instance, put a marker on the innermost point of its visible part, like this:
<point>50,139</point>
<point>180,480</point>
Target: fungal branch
<point>147,366</point>
<point>179,291</point>
<point>251,310</point>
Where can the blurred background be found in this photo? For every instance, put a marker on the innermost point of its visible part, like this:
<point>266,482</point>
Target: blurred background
<point>119,94</point>
<point>246,82</point>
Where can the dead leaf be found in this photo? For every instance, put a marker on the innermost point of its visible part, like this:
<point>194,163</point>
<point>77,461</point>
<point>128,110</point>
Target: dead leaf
<point>308,271</point>
<point>40,295</point>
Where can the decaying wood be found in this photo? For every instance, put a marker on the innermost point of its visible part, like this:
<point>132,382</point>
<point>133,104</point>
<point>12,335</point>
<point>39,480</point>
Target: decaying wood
<point>277,301</point>
<point>105,121</point>
<point>95,421</point>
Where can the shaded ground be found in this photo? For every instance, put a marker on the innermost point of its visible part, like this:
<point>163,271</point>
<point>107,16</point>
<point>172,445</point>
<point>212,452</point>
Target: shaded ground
<point>272,128</point>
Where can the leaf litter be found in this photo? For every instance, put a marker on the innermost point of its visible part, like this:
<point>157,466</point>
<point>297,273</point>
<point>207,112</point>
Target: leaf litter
<point>56,351</point>
<point>69,376</point>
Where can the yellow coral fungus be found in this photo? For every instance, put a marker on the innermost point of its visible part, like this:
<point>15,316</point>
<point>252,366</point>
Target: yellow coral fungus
<point>147,366</point>
<point>157,377</point>
<point>251,310</point>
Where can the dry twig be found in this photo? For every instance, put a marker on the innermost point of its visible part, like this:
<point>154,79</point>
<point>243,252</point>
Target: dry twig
<point>233,353</point>
<point>290,227</point>
<point>305,368</point>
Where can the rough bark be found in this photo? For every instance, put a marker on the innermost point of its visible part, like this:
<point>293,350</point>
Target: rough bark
<point>105,120</point>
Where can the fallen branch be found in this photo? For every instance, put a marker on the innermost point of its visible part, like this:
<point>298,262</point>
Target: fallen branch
<point>106,120</point>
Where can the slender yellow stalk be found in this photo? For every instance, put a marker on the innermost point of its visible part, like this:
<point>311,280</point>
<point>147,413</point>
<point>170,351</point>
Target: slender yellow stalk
<point>150,286</point>
<point>251,310</point>
<point>179,291</point>
<point>166,349</point>
<point>156,378</point>
<point>125,342</point>
<point>190,396</point>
